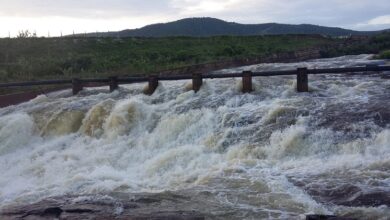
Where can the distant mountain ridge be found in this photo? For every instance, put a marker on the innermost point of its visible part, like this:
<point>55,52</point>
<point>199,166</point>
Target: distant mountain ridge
<point>204,27</point>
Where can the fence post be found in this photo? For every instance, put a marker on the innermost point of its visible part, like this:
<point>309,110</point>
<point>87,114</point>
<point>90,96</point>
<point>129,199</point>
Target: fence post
<point>302,80</point>
<point>247,82</point>
<point>77,86</point>
<point>197,81</point>
<point>152,86</point>
<point>113,83</point>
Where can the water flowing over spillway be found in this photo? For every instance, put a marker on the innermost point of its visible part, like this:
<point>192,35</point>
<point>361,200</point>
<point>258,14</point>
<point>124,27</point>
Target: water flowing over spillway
<point>273,153</point>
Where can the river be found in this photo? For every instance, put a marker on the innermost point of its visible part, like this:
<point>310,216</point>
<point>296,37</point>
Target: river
<point>270,154</point>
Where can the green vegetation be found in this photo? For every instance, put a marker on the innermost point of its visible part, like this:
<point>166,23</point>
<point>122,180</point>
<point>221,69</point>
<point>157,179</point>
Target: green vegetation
<point>30,58</point>
<point>384,55</point>
<point>207,27</point>
<point>373,45</point>
<point>25,59</point>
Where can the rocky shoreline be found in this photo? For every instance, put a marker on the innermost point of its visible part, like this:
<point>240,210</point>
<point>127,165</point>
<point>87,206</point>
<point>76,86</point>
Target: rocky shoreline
<point>124,206</point>
<point>164,206</point>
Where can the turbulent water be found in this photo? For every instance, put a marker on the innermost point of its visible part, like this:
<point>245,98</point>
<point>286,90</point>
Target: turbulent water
<point>274,153</point>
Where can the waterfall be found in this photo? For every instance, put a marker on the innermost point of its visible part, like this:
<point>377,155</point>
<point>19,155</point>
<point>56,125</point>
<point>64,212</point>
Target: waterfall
<point>274,152</point>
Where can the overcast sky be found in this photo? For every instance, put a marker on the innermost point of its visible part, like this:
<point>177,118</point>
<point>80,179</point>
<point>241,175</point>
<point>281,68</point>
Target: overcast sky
<point>66,16</point>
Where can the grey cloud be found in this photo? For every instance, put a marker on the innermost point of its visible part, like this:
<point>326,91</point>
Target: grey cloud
<point>330,12</point>
<point>83,8</point>
<point>344,13</point>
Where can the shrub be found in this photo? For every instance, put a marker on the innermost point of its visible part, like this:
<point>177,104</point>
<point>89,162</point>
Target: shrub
<point>385,54</point>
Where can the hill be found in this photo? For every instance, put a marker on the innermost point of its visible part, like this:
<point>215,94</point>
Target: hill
<point>205,27</point>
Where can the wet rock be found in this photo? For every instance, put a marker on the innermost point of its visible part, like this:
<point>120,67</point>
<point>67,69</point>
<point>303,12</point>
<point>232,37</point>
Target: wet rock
<point>336,191</point>
<point>326,217</point>
<point>355,120</point>
<point>123,206</point>
<point>369,199</point>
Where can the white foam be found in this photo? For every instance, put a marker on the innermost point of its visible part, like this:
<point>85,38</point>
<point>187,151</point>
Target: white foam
<point>178,139</point>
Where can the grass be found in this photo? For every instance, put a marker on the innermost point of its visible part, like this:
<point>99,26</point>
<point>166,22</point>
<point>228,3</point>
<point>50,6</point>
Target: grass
<point>48,58</point>
<point>384,55</point>
<point>31,58</point>
<point>372,45</point>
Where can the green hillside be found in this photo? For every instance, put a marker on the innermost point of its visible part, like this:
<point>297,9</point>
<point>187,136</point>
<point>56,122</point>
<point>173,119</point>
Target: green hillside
<point>204,27</point>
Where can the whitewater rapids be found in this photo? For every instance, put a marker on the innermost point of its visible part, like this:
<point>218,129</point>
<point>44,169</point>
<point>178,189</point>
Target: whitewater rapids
<point>273,153</point>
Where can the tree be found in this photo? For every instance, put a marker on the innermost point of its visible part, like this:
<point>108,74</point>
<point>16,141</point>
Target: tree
<point>26,34</point>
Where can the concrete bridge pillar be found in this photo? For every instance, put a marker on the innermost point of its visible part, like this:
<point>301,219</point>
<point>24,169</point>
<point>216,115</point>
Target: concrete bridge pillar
<point>113,83</point>
<point>152,85</point>
<point>77,86</point>
<point>197,81</point>
<point>302,80</point>
<point>247,82</point>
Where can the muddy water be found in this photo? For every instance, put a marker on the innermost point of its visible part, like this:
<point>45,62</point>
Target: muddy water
<point>273,153</point>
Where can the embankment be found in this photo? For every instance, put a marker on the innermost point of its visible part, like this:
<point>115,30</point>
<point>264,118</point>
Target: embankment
<point>285,57</point>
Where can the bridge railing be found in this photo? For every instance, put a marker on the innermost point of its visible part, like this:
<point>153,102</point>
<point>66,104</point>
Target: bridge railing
<point>197,78</point>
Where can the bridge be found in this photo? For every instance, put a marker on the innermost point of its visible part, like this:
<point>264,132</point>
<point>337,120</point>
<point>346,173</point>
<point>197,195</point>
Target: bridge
<point>197,79</point>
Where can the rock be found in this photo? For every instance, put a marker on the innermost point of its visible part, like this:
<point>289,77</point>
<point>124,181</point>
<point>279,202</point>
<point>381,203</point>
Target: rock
<point>326,217</point>
<point>124,206</point>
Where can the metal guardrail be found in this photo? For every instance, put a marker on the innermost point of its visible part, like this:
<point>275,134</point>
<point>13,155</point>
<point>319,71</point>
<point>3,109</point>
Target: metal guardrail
<point>113,82</point>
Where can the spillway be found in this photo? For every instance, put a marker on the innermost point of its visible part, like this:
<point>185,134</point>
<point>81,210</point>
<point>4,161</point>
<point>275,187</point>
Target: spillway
<point>272,154</point>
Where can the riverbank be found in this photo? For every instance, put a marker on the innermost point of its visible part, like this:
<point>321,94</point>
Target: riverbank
<point>158,206</point>
<point>26,59</point>
<point>12,96</point>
